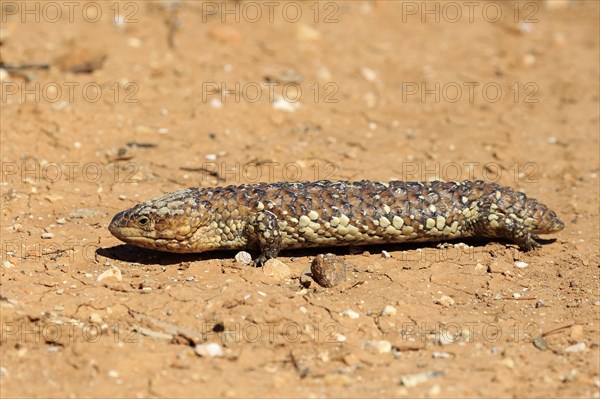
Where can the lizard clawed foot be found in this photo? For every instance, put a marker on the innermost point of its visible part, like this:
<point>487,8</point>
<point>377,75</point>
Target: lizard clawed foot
<point>528,242</point>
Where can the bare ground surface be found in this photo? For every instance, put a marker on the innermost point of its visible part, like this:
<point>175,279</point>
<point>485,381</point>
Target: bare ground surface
<point>384,95</point>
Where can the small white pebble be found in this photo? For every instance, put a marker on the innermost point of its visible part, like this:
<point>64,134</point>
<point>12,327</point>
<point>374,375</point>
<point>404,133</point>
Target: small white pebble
<point>113,374</point>
<point>435,390</point>
<point>528,59</point>
<point>350,313</point>
<point>385,254</point>
<point>243,257</point>
<point>412,380</point>
<point>261,293</point>
<point>134,42</point>
<point>163,130</point>
<point>209,350</point>
<point>215,103</point>
<point>579,347</point>
<point>444,300</point>
<point>119,20</point>
<point>340,338</point>
<point>282,104</point>
<point>379,346</point>
<point>444,338</point>
<point>47,236</point>
<point>369,74</point>
<point>389,310</point>
<point>7,264</point>
<point>61,220</point>
<point>96,318</point>
<point>516,295</point>
<point>112,272</point>
<point>306,33</point>
<point>521,265</point>
<point>210,157</point>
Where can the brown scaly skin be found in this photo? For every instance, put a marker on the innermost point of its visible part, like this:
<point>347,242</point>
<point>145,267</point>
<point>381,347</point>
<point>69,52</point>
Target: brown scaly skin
<point>273,216</point>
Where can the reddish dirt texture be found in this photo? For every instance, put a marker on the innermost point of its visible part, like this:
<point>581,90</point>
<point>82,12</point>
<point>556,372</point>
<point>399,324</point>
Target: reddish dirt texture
<point>179,94</point>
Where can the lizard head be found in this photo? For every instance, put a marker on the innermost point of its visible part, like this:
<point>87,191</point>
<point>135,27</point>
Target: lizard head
<point>542,219</point>
<point>166,223</point>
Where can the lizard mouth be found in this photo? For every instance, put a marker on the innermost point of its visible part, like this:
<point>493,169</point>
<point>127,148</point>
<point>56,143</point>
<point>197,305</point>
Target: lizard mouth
<point>122,228</point>
<point>115,225</point>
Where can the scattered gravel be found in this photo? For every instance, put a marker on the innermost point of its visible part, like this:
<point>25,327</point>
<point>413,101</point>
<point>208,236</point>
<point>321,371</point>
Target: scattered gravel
<point>83,213</point>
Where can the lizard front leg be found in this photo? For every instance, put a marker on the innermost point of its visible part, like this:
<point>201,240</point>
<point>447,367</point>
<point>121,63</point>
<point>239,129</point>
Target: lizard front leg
<point>263,229</point>
<point>496,223</point>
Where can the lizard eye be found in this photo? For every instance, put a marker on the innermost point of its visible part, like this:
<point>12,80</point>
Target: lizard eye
<point>143,220</point>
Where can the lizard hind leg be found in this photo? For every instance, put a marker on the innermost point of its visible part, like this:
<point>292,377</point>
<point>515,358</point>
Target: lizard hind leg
<point>264,229</point>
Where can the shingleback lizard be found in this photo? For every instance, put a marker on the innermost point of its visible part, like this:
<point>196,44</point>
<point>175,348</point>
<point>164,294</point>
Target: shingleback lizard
<point>273,216</point>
